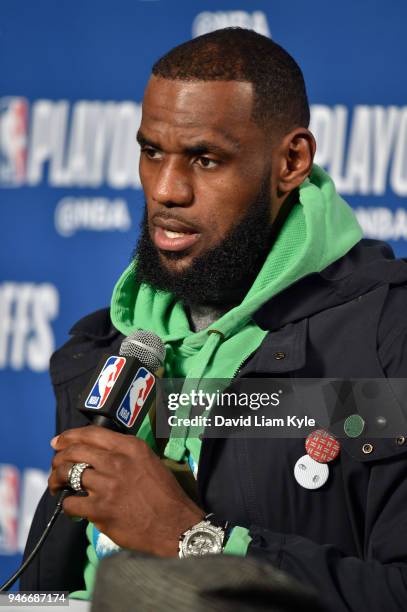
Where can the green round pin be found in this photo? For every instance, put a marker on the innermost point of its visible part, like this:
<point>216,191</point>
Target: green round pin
<point>354,426</point>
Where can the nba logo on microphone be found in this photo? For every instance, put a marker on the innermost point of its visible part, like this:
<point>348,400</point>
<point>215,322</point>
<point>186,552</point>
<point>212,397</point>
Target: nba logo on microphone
<point>135,397</point>
<point>9,494</point>
<point>105,382</point>
<point>13,140</point>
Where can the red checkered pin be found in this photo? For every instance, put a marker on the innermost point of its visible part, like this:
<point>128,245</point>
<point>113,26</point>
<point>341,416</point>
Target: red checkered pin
<point>322,446</point>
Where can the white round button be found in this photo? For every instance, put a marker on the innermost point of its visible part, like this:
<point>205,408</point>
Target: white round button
<point>309,473</point>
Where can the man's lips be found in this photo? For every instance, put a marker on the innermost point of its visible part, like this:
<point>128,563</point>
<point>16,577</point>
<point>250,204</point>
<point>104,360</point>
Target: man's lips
<point>173,235</point>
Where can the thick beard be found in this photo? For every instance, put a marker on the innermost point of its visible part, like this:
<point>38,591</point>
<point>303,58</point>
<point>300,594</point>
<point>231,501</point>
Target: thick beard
<point>222,275</point>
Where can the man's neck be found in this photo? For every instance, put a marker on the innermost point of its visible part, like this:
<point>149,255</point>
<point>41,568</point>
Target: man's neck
<point>200,317</point>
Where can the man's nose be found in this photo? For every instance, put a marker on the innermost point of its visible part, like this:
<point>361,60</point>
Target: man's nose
<point>173,185</point>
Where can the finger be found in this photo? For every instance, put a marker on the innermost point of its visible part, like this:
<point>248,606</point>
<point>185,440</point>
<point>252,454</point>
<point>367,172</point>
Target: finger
<point>59,477</point>
<point>91,481</point>
<point>76,505</point>
<point>81,453</point>
<point>90,435</point>
<point>89,506</point>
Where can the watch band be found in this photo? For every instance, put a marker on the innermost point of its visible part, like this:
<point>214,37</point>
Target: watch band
<point>212,518</point>
<point>216,521</point>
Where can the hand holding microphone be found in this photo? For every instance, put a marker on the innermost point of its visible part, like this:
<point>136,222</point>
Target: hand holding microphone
<point>131,496</point>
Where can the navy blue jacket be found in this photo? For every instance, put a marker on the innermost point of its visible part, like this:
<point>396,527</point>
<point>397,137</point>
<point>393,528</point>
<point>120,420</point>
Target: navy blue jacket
<point>348,539</point>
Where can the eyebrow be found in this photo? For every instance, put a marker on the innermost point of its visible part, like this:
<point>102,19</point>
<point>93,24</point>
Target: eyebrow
<point>199,148</point>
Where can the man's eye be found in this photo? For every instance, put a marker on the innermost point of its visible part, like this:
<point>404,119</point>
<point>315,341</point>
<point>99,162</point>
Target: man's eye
<point>207,162</point>
<point>151,153</point>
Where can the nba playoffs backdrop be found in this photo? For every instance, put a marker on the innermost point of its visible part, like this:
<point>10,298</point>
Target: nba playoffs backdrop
<point>72,75</point>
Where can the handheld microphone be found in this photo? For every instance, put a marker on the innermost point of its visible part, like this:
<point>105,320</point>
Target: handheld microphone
<point>122,390</point>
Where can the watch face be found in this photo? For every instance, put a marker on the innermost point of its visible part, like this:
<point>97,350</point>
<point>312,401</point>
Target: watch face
<point>201,542</point>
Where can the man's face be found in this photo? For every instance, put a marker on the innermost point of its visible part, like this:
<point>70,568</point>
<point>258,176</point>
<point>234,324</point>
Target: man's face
<point>205,169</point>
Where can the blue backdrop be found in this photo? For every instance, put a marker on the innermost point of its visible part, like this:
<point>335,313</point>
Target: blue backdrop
<point>71,81</point>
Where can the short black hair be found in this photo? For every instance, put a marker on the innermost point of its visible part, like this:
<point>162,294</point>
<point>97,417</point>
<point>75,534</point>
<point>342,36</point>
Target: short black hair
<point>237,54</point>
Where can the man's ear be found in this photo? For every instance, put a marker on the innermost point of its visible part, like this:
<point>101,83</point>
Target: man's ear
<point>296,154</point>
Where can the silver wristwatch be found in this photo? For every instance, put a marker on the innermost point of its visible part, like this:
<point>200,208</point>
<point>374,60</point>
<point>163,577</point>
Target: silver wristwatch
<point>204,538</point>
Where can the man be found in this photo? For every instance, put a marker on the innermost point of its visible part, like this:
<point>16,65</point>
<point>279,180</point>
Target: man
<point>248,265</point>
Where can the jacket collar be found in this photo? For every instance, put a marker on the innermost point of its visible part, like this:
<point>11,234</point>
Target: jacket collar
<point>367,266</point>
<point>96,326</point>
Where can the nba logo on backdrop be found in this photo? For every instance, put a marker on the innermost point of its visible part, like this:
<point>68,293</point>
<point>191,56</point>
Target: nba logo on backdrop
<point>13,140</point>
<point>9,498</point>
<point>135,397</point>
<point>105,382</point>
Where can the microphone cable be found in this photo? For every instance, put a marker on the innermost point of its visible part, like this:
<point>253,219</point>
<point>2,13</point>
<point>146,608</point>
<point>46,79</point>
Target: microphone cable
<point>5,587</point>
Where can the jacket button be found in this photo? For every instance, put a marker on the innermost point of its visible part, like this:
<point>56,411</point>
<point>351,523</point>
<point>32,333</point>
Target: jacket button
<point>279,355</point>
<point>400,440</point>
<point>381,422</point>
<point>367,449</point>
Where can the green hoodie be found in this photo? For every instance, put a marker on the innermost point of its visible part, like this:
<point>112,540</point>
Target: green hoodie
<point>320,229</point>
